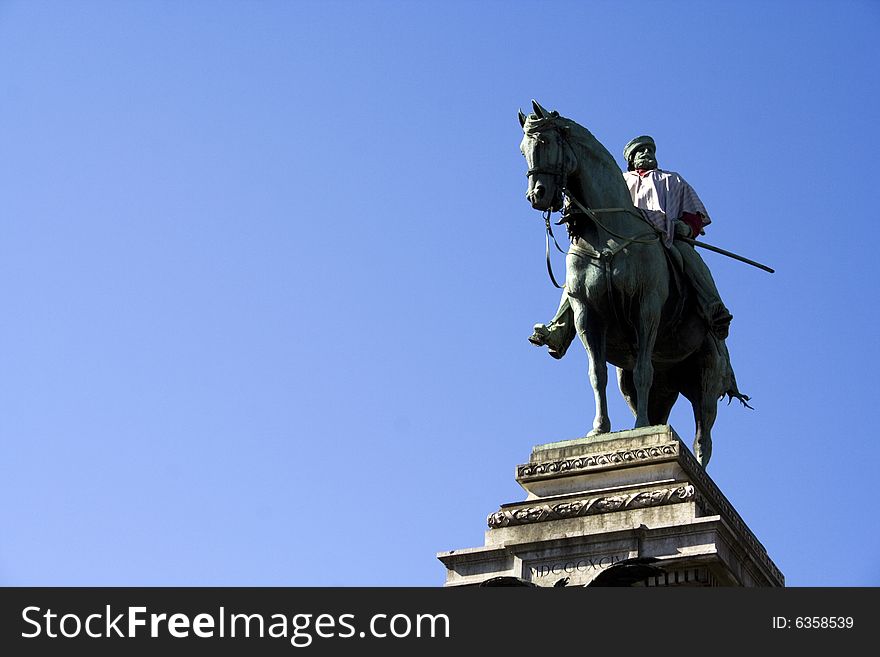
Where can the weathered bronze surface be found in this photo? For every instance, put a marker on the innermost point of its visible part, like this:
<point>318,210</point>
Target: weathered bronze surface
<point>651,310</point>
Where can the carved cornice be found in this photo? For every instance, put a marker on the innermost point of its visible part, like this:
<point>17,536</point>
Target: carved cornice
<point>596,461</point>
<point>590,506</point>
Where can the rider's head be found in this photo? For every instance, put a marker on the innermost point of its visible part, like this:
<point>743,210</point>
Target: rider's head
<point>640,153</point>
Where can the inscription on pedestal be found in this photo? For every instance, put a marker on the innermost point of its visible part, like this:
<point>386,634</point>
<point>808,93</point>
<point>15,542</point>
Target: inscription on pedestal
<point>580,569</point>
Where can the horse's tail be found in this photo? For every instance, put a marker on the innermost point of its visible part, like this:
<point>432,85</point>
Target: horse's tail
<point>733,392</point>
<point>729,387</point>
<point>743,399</point>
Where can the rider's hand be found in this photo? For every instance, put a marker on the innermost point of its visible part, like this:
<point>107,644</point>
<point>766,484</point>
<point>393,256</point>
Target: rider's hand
<point>682,229</point>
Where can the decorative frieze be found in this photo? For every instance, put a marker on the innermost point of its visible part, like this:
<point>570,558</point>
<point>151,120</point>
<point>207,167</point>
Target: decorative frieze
<point>595,461</point>
<point>590,506</point>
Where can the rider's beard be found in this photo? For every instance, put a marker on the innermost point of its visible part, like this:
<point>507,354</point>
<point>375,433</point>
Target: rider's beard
<point>645,163</point>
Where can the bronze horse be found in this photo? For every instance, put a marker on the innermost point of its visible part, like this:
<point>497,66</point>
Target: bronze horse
<point>628,309</point>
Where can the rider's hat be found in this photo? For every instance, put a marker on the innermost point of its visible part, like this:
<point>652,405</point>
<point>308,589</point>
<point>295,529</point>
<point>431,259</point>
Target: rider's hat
<point>635,143</point>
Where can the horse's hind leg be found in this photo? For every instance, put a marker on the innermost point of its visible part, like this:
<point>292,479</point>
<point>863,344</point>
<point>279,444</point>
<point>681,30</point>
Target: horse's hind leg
<point>700,385</point>
<point>706,384</point>
<point>660,402</point>
<point>592,334</point>
<point>663,397</point>
<point>627,388</point>
<point>705,409</point>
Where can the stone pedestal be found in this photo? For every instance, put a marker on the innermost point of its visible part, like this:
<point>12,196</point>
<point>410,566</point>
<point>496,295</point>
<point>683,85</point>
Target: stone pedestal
<point>634,505</point>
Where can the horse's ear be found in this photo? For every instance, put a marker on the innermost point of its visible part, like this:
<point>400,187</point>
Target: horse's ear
<point>522,119</point>
<point>541,112</point>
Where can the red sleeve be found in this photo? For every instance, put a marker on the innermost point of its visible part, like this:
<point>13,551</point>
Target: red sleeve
<point>695,221</point>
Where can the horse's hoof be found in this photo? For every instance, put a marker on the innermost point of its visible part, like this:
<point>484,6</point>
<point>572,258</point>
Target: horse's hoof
<point>597,432</point>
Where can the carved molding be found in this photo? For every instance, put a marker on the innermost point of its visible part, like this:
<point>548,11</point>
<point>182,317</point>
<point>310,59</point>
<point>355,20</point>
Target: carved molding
<point>590,506</point>
<point>592,461</point>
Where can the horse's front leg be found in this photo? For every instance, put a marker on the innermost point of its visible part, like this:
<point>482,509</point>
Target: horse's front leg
<point>591,329</point>
<point>643,372</point>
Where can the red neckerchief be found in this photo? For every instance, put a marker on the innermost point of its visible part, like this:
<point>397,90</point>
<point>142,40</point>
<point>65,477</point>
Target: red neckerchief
<point>643,172</point>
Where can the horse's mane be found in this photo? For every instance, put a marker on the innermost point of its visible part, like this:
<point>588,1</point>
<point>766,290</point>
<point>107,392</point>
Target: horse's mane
<point>577,134</point>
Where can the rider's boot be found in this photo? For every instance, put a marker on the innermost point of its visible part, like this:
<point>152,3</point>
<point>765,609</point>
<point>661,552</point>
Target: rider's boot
<point>719,318</point>
<point>709,303</point>
<point>558,335</point>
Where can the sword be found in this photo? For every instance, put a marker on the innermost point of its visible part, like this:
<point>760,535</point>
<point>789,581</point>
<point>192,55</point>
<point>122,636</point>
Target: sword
<point>703,245</point>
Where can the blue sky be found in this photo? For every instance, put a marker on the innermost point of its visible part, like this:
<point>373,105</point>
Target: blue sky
<point>267,273</point>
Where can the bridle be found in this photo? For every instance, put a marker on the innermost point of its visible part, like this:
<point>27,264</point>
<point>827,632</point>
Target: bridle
<point>557,168</point>
<point>559,172</point>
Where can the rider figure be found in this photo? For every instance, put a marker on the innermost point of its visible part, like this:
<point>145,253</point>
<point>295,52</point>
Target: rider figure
<point>672,206</point>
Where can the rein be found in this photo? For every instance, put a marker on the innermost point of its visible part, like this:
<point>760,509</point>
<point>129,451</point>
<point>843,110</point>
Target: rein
<point>591,213</point>
<point>549,235</point>
<point>607,254</point>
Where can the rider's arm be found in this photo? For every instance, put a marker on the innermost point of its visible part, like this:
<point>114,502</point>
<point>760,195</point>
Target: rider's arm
<point>695,221</point>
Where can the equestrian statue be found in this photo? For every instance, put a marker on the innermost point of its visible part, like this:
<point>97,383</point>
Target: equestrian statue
<point>636,291</point>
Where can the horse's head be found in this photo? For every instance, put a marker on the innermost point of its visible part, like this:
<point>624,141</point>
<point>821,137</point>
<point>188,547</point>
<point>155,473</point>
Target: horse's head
<point>548,155</point>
